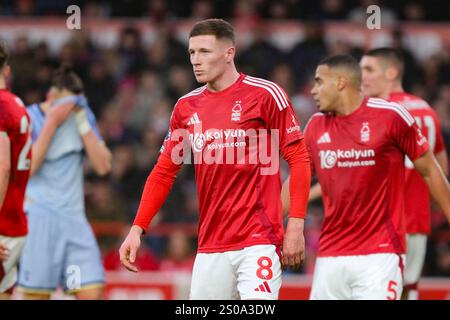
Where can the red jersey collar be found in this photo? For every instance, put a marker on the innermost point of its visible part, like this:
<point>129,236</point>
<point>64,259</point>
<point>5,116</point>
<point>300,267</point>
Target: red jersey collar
<point>228,89</point>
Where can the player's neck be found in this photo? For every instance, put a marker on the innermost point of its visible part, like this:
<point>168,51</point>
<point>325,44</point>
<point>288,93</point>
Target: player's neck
<point>394,87</point>
<point>224,81</point>
<point>2,83</point>
<point>349,103</point>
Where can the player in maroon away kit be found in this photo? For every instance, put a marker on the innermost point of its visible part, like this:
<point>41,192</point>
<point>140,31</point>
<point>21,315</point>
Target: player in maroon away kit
<point>240,226</point>
<point>382,72</point>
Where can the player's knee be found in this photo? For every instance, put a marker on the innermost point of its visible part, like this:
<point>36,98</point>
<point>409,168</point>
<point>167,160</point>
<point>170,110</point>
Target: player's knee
<point>36,296</point>
<point>90,294</point>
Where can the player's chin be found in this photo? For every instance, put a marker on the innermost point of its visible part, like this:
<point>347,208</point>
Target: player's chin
<point>201,79</point>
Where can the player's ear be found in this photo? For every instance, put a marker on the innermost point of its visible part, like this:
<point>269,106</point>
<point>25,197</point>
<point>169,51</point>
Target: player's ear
<point>230,53</point>
<point>341,83</point>
<point>6,71</point>
<point>391,73</point>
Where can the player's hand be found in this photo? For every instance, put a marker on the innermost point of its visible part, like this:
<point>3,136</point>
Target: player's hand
<point>59,113</point>
<point>4,252</point>
<point>129,248</point>
<point>293,244</point>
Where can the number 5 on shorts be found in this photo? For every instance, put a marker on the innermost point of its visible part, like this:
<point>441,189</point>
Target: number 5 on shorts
<point>392,290</point>
<point>264,272</point>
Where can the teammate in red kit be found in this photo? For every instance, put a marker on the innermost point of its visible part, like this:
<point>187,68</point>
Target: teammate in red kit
<point>15,155</point>
<point>240,223</point>
<point>382,72</point>
<point>357,147</point>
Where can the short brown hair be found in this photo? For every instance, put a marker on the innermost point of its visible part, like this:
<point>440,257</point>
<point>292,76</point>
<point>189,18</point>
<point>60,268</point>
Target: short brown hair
<point>219,28</point>
<point>391,55</point>
<point>66,78</point>
<point>3,56</point>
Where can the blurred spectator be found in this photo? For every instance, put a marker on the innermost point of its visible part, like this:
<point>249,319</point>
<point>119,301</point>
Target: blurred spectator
<point>147,94</point>
<point>99,86</point>
<point>24,7</point>
<point>246,11</point>
<point>180,81</point>
<point>202,9</point>
<point>414,11</point>
<point>103,203</point>
<point>283,75</point>
<point>22,65</point>
<point>130,51</point>
<point>157,10</point>
<point>261,56</point>
<point>127,179</point>
<point>332,10</point>
<point>306,54</point>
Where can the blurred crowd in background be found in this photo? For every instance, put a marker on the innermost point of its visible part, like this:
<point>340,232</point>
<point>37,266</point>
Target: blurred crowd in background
<point>132,89</point>
<point>159,10</point>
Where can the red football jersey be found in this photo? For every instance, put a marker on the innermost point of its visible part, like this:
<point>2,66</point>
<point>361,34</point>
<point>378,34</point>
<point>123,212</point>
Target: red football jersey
<point>15,122</point>
<point>359,161</point>
<point>417,195</point>
<point>238,188</point>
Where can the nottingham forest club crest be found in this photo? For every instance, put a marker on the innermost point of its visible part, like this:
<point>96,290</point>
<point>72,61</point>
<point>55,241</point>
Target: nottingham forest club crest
<point>236,111</point>
<point>365,132</point>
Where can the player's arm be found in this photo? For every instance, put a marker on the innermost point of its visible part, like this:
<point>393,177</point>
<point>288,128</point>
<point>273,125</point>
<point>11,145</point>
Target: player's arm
<point>442,159</point>
<point>430,170</point>
<point>315,192</point>
<point>297,157</point>
<point>53,119</point>
<point>98,153</point>
<point>5,169</point>
<point>5,165</point>
<point>157,187</point>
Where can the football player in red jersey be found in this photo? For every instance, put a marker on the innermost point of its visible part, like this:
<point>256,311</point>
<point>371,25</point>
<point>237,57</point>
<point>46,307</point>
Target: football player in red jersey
<point>15,158</point>
<point>357,147</point>
<point>382,72</point>
<point>240,223</point>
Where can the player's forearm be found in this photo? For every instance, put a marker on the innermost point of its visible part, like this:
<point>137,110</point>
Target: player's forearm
<point>439,189</point>
<point>98,153</point>
<point>285,201</point>
<point>442,159</point>
<point>300,178</point>
<point>40,147</point>
<point>157,187</point>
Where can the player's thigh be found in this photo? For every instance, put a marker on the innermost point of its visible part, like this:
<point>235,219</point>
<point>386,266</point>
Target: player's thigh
<point>258,272</point>
<point>8,268</point>
<point>43,254</point>
<point>415,257</point>
<point>213,277</point>
<point>330,280</point>
<point>379,277</point>
<point>82,266</point>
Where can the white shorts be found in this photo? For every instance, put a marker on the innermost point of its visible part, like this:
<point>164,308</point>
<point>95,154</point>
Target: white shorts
<point>250,273</point>
<point>416,245</point>
<point>362,277</point>
<point>8,272</point>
